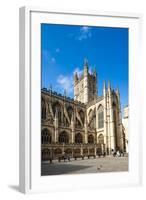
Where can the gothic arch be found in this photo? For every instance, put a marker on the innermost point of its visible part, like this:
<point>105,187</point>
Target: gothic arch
<point>77,151</point>
<point>64,137</point>
<point>100,107</point>
<point>78,138</point>
<point>46,137</point>
<point>68,151</point>
<point>57,151</point>
<point>101,139</point>
<point>90,139</point>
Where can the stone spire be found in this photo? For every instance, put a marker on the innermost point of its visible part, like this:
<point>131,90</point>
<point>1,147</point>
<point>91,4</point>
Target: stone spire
<point>109,85</point>
<point>94,73</point>
<point>109,88</point>
<point>76,77</point>
<point>85,67</point>
<point>117,92</point>
<point>64,92</point>
<point>104,88</point>
<point>85,63</point>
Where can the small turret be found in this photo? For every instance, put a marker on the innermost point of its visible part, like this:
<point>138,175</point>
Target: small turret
<point>109,88</point>
<point>104,88</point>
<point>85,67</point>
<point>109,85</point>
<point>118,96</point>
<point>94,73</point>
<point>75,77</point>
<point>117,92</point>
<point>65,93</point>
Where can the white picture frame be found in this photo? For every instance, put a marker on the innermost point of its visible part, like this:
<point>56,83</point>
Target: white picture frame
<point>29,160</point>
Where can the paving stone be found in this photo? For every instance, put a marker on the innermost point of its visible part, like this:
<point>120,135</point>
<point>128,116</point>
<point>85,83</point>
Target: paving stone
<point>97,165</point>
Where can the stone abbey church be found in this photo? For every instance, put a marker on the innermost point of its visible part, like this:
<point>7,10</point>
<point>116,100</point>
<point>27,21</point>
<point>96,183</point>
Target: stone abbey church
<point>85,126</point>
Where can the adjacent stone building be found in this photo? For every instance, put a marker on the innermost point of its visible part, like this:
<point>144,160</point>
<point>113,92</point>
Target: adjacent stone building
<point>125,121</point>
<point>87,125</point>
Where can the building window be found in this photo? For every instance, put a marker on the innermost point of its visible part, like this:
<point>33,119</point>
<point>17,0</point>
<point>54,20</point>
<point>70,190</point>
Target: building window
<point>78,138</point>
<point>63,138</point>
<point>101,139</point>
<point>46,137</point>
<point>100,117</point>
<point>90,139</point>
<point>43,114</point>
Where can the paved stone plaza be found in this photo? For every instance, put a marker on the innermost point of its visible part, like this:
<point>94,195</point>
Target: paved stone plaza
<point>97,165</point>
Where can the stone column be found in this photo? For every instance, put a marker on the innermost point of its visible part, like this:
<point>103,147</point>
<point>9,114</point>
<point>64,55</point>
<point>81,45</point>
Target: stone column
<point>72,130</point>
<point>106,133</point>
<point>95,150</point>
<point>111,121</point>
<point>86,130</point>
<point>56,126</point>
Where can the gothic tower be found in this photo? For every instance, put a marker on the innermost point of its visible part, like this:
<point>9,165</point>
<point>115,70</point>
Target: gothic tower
<point>85,89</point>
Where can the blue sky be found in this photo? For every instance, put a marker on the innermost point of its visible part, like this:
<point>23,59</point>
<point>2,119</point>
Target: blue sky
<point>64,47</point>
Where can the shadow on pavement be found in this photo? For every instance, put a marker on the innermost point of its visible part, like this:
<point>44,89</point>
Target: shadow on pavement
<point>51,169</point>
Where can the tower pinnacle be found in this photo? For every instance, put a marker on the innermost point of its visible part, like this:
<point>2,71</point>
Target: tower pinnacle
<point>85,63</point>
<point>94,72</point>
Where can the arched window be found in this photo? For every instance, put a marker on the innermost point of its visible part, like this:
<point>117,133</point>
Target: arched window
<point>46,137</point>
<point>43,114</point>
<point>63,138</point>
<point>90,139</point>
<point>100,117</point>
<point>101,139</point>
<point>78,138</point>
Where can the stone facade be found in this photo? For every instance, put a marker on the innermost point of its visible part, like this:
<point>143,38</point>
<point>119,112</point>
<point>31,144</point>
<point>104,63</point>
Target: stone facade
<point>87,125</point>
<point>125,121</point>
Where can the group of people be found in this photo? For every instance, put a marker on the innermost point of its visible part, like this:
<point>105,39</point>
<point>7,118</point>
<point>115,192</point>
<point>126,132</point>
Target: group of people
<point>117,153</point>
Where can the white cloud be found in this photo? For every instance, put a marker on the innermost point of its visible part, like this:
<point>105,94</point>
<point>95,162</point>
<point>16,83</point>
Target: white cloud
<point>90,70</point>
<point>85,33</point>
<point>57,50</point>
<point>65,83</point>
<point>53,60</point>
<point>85,29</point>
